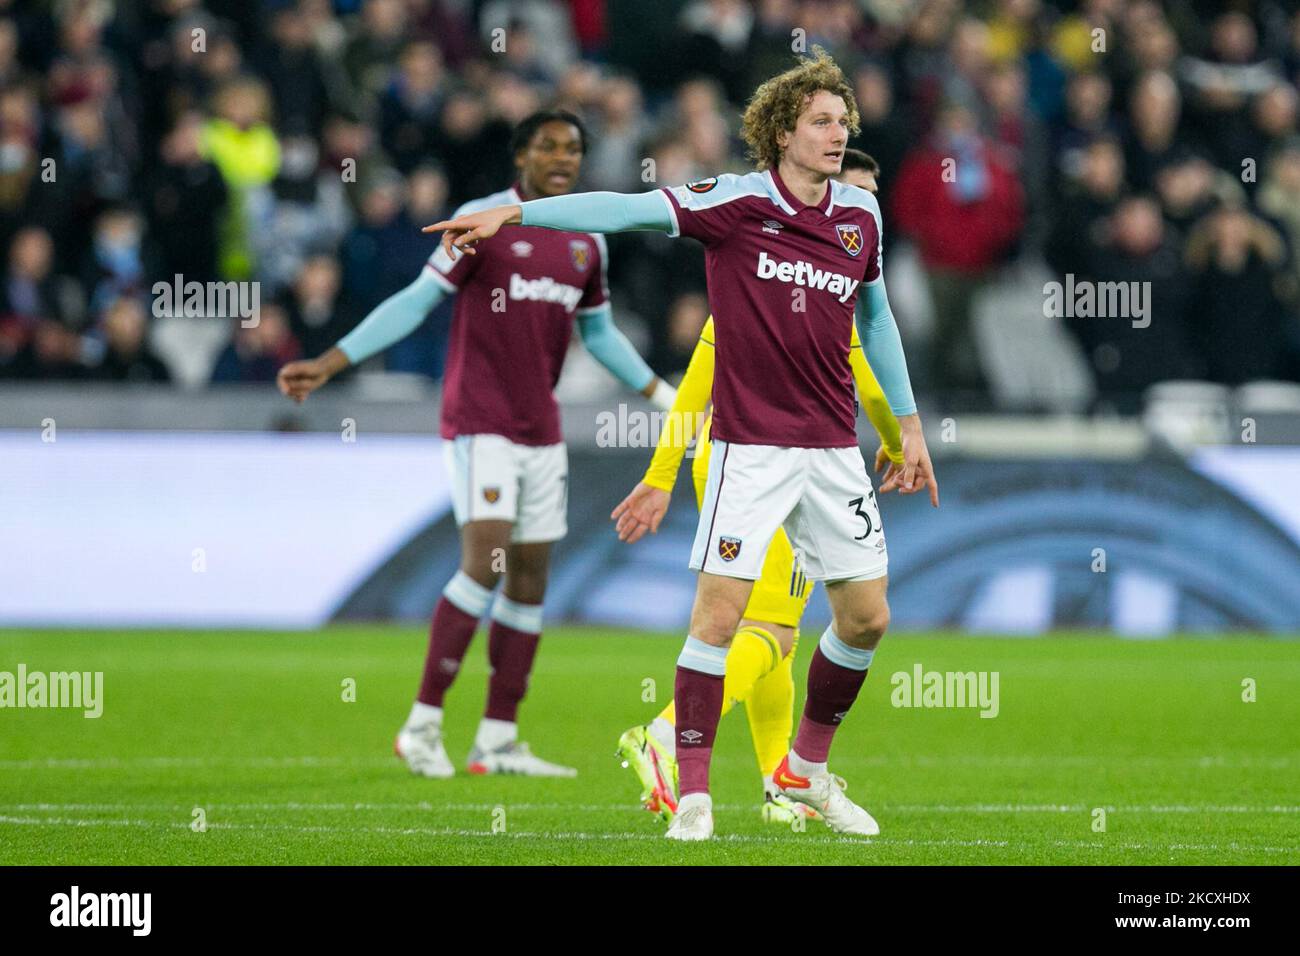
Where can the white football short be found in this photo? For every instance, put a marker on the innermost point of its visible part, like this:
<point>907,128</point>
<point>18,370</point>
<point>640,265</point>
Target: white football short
<point>821,496</point>
<point>495,479</point>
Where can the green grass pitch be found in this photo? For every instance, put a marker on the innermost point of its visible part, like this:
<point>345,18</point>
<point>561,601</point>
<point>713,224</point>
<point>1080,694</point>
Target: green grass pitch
<point>253,729</point>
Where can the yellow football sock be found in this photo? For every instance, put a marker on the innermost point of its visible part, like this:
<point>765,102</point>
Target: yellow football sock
<point>771,713</point>
<point>754,653</point>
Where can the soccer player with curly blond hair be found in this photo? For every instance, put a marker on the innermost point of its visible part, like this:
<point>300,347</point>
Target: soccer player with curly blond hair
<point>788,253</point>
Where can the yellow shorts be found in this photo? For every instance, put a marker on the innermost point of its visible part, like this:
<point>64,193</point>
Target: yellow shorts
<point>781,592</point>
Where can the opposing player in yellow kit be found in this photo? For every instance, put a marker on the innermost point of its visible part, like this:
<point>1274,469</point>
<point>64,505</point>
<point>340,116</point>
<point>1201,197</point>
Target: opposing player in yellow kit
<point>758,666</point>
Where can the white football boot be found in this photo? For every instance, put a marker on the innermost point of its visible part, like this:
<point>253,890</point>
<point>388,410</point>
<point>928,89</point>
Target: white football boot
<point>515,758</point>
<point>421,747</point>
<point>824,792</point>
<point>694,819</point>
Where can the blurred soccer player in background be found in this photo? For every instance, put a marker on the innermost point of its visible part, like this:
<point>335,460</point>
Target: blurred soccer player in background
<point>501,428</point>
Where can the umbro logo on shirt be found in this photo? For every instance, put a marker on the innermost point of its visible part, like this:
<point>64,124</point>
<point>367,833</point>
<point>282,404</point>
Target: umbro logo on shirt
<point>522,249</point>
<point>806,274</point>
<point>772,226</point>
<point>690,736</point>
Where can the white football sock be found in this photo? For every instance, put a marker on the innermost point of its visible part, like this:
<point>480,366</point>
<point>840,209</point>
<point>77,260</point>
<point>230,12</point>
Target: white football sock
<point>694,800</point>
<point>804,768</point>
<point>467,594</point>
<point>422,714</point>
<point>495,734</point>
<point>665,733</point>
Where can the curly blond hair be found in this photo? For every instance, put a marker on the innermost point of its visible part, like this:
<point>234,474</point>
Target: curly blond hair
<point>777,103</point>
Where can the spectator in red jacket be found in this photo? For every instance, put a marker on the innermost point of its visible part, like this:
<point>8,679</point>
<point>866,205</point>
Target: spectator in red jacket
<point>965,209</point>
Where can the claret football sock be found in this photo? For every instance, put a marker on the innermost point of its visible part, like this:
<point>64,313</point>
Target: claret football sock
<point>754,653</point>
<point>512,647</point>
<point>455,619</point>
<point>835,675</point>
<point>698,693</point>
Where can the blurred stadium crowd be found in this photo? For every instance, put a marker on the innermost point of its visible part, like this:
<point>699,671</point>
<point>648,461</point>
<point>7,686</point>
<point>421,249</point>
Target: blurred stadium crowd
<point>301,143</point>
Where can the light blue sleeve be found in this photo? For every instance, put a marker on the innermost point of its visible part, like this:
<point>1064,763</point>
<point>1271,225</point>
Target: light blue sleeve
<point>393,319</point>
<point>611,348</point>
<point>883,348</point>
<point>601,212</point>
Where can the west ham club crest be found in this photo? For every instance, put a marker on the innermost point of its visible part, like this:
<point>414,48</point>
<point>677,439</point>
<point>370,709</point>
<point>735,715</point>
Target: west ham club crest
<point>850,238</point>
<point>579,253</point>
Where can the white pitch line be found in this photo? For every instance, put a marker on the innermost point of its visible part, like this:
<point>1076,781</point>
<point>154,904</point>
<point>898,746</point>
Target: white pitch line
<point>421,807</point>
<point>579,835</point>
<point>1231,847</point>
<point>1078,808</point>
<point>111,763</point>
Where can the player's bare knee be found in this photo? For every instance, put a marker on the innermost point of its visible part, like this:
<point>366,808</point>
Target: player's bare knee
<point>478,564</point>
<point>719,606</point>
<point>863,628</point>
<point>480,573</point>
<point>527,568</point>
<point>483,550</point>
<point>525,586</point>
<point>714,624</point>
<point>713,631</point>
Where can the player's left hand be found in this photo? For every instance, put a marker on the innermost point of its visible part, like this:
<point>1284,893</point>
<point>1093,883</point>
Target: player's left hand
<point>639,512</point>
<point>917,470</point>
